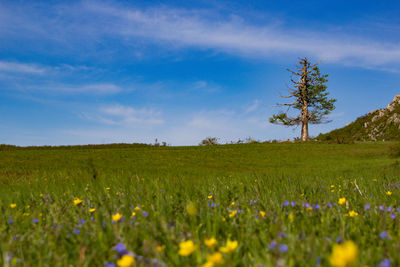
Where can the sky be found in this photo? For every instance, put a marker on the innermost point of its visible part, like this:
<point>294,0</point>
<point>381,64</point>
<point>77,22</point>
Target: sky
<point>95,72</point>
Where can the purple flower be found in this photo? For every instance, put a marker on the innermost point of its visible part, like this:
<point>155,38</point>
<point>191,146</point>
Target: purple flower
<point>385,263</point>
<point>293,203</point>
<point>393,216</point>
<point>109,264</point>
<point>35,220</point>
<point>286,203</point>
<point>272,246</point>
<point>283,248</point>
<point>213,205</point>
<point>389,209</point>
<point>329,205</point>
<point>384,235</point>
<point>120,249</point>
<point>316,206</point>
<point>76,231</point>
<point>145,214</point>
<point>367,207</point>
<point>306,205</point>
<point>339,240</point>
<point>381,208</point>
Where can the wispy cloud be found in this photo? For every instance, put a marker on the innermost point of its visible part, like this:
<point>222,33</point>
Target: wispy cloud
<point>15,67</point>
<point>126,116</point>
<point>200,29</point>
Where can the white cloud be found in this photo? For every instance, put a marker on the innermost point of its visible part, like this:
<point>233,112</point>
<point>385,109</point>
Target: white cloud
<point>195,28</point>
<point>14,67</point>
<point>253,106</point>
<point>129,117</point>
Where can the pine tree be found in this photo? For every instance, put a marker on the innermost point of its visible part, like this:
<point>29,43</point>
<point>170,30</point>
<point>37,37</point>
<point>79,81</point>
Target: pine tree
<point>309,97</point>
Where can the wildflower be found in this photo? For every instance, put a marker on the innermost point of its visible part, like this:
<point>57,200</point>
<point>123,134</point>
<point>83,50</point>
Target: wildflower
<point>353,213</point>
<point>375,180</point>
<point>233,213</point>
<point>286,203</point>
<point>13,205</point>
<point>210,242</point>
<point>76,231</point>
<point>145,214</point>
<point>116,217</point>
<point>385,263</point>
<point>344,254</point>
<point>208,264</point>
<point>160,248</point>
<point>126,261</point>
<point>384,235</point>
<point>120,249</point>
<point>133,214</point>
<point>191,209</point>
<point>35,220</point>
<point>92,210</point>
<point>215,258</point>
<point>26,214</point>
<point>291,217</point>
<point>272,246</point>
<point>389,193</point>
<point>332,186</point>
<point>283,248</point>
<point>186,248</point>
<point>77,201</point>
<point>342,201</point>
<point>107,189</point>
<point>262,214</point>
<point>229,247</point>
<point>393,216</point>
<point>367,207</point>
<point>210,197</point>
<point>232,203</point>
<point>137,208</point>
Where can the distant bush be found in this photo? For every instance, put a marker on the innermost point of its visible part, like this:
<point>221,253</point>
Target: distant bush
<point>394,150</point>
<point>209,141</point>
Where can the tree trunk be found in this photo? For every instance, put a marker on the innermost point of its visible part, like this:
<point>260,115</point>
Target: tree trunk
<point>304,131</point>
<point>304,110</point>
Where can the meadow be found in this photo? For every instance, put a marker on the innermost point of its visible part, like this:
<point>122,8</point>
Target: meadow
<point>301,204</point>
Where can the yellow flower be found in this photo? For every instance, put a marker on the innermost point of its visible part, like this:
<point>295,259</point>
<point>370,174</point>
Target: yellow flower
<point>208,264</point>
<point>332,186</point>
<point>210,242</point>
<point>116,217</point>
<point>126,261</point>
<point>353,213</point>
<point>291,217</point>
<point>28,206</point>
<point>108,189</point>
<point>233,203</point>
<point>137,208</point>
<point>344,255</point>
<point>92,210</point>
<point>191,209</point>
<point>160,248</point>
<point>133,214</point>
<point>262,214</point>
<point>229,247</point>
<point>332,191</point>
<point>309,208</point>
<point>26,214</point>
<point>13,205</point>
<point>375,180</point>
<point>389,193</point>
<point>77,201</point>
<point>233,213</point>
<point>342,201</point>
<point>210,197</point>
<point>186,248</point>
<point>215,258</point>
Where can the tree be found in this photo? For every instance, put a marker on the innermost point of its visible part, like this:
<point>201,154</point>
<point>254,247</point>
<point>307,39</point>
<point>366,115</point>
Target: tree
<point>309,96</point>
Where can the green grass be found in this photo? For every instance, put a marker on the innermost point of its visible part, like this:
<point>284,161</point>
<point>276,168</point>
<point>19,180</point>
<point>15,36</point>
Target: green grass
<point>165,180</point>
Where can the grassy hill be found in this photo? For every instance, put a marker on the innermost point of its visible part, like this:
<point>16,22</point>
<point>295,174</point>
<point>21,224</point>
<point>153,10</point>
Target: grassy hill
<point>378,125</point>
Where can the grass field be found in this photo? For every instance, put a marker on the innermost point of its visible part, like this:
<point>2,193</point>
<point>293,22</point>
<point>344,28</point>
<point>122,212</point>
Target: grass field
<point>264,204</point>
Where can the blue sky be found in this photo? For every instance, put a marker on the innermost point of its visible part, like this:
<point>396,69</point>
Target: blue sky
<point>79,72</point>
